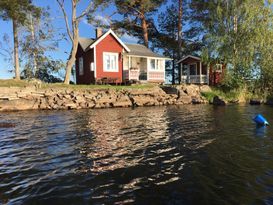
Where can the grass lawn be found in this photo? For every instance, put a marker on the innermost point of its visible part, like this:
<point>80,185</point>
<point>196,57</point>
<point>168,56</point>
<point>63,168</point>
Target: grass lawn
<point>24,83</point>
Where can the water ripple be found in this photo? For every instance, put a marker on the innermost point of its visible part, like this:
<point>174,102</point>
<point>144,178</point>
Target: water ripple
<point>158,155</point>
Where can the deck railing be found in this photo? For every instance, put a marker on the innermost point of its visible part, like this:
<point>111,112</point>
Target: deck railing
<point>194,79</point>
<point>134,74</point>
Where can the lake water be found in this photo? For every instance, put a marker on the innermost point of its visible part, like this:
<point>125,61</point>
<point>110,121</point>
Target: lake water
<point>155,155</point>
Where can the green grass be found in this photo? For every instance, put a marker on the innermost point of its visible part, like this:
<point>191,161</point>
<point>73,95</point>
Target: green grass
<point>228,96</point>
<point>13,83</point>
<point>98,87</point>
<point>23,83</point>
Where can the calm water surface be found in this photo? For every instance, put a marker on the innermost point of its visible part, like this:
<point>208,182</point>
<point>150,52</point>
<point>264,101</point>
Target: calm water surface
<point>157,155</point>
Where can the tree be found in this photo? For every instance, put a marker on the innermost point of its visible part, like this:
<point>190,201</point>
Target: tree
<point>179,28</point>
<point>37,42</point>
<point>237,32</point>
<point>167,37</point>
<point>137,16</point>
<point>16,11</point>
<point>72,28</point>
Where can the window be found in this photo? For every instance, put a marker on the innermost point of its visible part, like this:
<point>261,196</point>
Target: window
<point>156,64</point>
<point>152,64</point>
<point>92,66</point>
<point>218,67</point>
<point>193,69</point>
<point>110,62</point>
<point>81,72</point>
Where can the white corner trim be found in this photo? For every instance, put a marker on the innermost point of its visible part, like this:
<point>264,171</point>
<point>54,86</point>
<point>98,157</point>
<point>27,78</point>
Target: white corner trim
<point>95,62</point>
<point>110,31</point>
<point>104,61</point>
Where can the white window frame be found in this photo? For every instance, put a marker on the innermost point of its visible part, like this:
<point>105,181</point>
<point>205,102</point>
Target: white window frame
<point>81,66</point>
<point>92,67</point>
<point>158,67</point>
<point>105,63</point>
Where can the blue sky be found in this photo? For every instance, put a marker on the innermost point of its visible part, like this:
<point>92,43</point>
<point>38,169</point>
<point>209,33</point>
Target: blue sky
<point>86,30</point>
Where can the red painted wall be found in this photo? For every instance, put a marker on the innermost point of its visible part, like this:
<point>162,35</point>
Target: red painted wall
<point>88,75</point>
<point>108,44</point>
<point>215,78</point>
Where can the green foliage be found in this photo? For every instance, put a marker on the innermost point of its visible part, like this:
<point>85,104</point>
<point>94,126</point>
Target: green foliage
<point>134,13</point>
<point>38,41</point>
<point>231,81</point>
<point>17,10</point>
<point>240,34</point>
<point>231,95</point>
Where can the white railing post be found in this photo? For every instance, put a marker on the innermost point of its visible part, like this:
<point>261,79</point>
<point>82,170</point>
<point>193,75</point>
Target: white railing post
<point>200,72</point>
<point>208,74</point>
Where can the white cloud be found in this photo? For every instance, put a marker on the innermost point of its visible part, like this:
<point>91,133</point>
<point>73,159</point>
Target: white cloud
<point>104,20</point>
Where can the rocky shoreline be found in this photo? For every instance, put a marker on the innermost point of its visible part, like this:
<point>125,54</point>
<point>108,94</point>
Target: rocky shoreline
<point>32,98</point>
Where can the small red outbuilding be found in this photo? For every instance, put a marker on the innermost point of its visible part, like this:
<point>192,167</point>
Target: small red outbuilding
<point>194,71</point>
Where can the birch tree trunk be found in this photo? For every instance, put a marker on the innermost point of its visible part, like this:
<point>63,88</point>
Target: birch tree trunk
<point>72,56</point>
<point>16,49</point>
<point>73,32</point>
<point>35,65</point>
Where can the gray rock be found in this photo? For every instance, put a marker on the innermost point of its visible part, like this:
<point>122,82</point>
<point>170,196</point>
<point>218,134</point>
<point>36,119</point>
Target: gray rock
<point>255,101</point>
<point>218,101</point>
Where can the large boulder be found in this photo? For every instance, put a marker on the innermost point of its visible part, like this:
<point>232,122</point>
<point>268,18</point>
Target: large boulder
<point>184,99</point>
<point>218,101</point>
<point>192,90</point>
<point>255,101</point>
<point>21,104</point>
<point>123,101</point>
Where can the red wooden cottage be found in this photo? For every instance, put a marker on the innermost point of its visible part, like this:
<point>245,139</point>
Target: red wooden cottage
<point>108,58</point>
<point>194,71</point>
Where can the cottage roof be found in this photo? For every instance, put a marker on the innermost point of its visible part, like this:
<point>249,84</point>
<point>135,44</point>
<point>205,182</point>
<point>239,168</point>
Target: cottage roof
<point>141,50</point>
<point>85,42</point>
<point>189,56</point>
<point>110,31</point>
<point>132,49</point>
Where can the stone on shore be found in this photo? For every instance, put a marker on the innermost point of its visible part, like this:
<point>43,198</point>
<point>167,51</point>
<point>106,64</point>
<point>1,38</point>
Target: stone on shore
<point>218,101</point>
<point>255,101</point>
<point>65,98</point>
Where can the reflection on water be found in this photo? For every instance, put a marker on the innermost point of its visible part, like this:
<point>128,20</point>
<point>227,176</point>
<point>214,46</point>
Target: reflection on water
<point>160,155</point>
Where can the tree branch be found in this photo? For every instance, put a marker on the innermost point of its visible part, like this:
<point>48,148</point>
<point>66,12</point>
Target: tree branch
<point>61,4</point>
<point>85,11</point>
<point>140,14</point>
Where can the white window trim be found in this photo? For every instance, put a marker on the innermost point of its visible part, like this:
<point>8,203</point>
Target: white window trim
<point>92,67</point>
<point>195,69</point>
<point>81,66</point>
<point>117,62</point>
<point>220,67</point>
<point>157,67</point>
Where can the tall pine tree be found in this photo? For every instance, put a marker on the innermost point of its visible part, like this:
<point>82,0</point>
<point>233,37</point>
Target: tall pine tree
<point>138,19</point>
